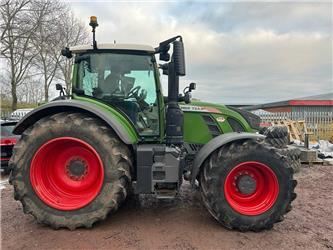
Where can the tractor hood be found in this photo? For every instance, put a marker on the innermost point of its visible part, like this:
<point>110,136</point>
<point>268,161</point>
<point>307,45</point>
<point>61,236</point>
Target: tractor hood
<point>247,119</point>
<point>204,107</point>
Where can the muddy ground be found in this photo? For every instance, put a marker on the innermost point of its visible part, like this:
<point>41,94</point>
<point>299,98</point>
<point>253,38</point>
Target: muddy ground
<point>181,224</point>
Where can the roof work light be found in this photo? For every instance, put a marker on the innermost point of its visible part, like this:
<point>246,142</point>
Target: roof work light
<point>93,23</point>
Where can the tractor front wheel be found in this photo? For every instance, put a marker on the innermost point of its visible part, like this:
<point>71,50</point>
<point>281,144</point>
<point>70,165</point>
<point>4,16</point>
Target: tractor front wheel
<point>70,170</point>
<point>247,185</point>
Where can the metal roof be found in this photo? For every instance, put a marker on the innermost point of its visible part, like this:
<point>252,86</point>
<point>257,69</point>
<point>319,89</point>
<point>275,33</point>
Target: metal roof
<point>315,100</point>
<point>327,96</point>
<point>113,46</point>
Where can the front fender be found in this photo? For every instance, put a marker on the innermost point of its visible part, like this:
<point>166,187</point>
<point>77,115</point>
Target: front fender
<point>123,128</point>
<point>216,143</point>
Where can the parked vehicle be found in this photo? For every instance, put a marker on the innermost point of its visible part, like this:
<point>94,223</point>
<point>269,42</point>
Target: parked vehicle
<point>81,155</point>
<point>19,113</point>
<point>7,142</point>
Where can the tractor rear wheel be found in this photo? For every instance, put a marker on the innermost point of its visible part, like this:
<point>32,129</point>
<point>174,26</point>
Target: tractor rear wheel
<point>247,185</point>
<point>70,170</point>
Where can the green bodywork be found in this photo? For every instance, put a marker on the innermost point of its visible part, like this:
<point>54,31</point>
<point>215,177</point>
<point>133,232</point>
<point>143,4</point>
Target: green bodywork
<point>196,130</point>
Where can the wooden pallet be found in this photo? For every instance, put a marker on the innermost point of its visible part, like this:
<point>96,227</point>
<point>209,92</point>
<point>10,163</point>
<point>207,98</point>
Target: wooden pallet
<point>296,129</point>
<point>311,163</point>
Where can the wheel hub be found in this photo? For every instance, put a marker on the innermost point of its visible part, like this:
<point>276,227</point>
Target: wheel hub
<point>76,169</point>
<point>246,184</point>
<point>66,173</point>
<point>251,188</point>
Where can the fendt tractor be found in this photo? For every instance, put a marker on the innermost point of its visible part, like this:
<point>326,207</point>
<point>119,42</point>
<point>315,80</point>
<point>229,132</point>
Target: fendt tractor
<point>115,134</point>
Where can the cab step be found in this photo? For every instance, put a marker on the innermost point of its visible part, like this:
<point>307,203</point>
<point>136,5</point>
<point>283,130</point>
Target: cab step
<point>165,193</point>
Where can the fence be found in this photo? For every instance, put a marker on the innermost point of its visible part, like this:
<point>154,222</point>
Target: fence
<point>318,123</point>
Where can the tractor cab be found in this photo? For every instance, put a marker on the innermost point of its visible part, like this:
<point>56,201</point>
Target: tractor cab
<point>123,76</point>
<point>126,77</point>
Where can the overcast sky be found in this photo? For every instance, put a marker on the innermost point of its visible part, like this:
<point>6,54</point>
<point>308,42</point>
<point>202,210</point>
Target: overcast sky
<point>239,52</point>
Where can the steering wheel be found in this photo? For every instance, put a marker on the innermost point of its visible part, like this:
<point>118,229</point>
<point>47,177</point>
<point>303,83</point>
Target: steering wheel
<point>134,92</point>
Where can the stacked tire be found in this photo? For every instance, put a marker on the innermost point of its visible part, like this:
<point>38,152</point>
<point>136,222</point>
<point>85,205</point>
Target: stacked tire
<point>278,137</point>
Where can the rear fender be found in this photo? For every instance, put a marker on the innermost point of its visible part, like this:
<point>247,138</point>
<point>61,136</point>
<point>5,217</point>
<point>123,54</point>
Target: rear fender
<point>110,116</point>
<point>216,143</point>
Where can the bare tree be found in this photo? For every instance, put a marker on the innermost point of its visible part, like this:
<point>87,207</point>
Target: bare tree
<point>31,91</point>
<point>59,29</point>
<point>72,32</point>
<point>46,43</point>
<point>33,32</point>
<point>4,83</point>
<point>19,23</point>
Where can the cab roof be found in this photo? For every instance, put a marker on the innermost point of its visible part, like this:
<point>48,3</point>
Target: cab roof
<point>113,46</point>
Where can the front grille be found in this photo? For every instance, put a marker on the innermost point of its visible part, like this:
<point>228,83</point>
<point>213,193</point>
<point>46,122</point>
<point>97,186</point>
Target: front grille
<point>235,125</point>
<point>208,119</point>
<point>195,147</point>
<point>252,119</point>
<point>213,127</point>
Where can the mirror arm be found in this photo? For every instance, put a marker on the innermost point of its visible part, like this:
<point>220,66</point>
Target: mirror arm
<point>163,44</point>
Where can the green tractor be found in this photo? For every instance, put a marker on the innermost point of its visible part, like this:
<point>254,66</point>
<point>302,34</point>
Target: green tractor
<point>115,133</point>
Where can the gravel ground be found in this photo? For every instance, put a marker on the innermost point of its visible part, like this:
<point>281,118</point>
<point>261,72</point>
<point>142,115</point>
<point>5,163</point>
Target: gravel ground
<point>181,224</point>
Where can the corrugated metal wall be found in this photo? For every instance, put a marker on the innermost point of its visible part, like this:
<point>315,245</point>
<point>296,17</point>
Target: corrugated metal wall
<point>304,109</point>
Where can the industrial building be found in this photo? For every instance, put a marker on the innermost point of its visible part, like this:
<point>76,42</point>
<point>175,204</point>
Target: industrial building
<point>315,103</point>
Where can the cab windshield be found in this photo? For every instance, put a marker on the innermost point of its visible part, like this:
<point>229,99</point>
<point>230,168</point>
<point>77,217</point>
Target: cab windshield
<point>124,81</point>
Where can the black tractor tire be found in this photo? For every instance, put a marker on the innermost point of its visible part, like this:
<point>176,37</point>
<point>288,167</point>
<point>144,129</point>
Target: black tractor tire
<point>276,131</point>
<point>277,136</point>
<point>116,160</point>
<point>293,157</point>
<point>277,142</point>
<point>215,173</point>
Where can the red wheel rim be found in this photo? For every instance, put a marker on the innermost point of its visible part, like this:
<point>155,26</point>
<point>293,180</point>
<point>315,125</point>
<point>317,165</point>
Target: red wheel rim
<point>66,173</point>
<point>259,197</point>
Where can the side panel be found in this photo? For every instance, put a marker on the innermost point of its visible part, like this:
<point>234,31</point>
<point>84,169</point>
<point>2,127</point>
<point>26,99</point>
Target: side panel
<point>114,119</point>
<point>214,144</point>
<point>201,127</point>
<point>193,123</point>
<point>221,113</point>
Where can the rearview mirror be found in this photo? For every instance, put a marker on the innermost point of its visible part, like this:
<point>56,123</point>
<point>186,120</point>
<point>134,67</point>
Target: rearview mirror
<point>165,56</point>
<point>179,58</point>
<point>187,97</point>
<point>192,86</point>
<point>66,52</point>
<point>61,90</point>
<point>59,86</point>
